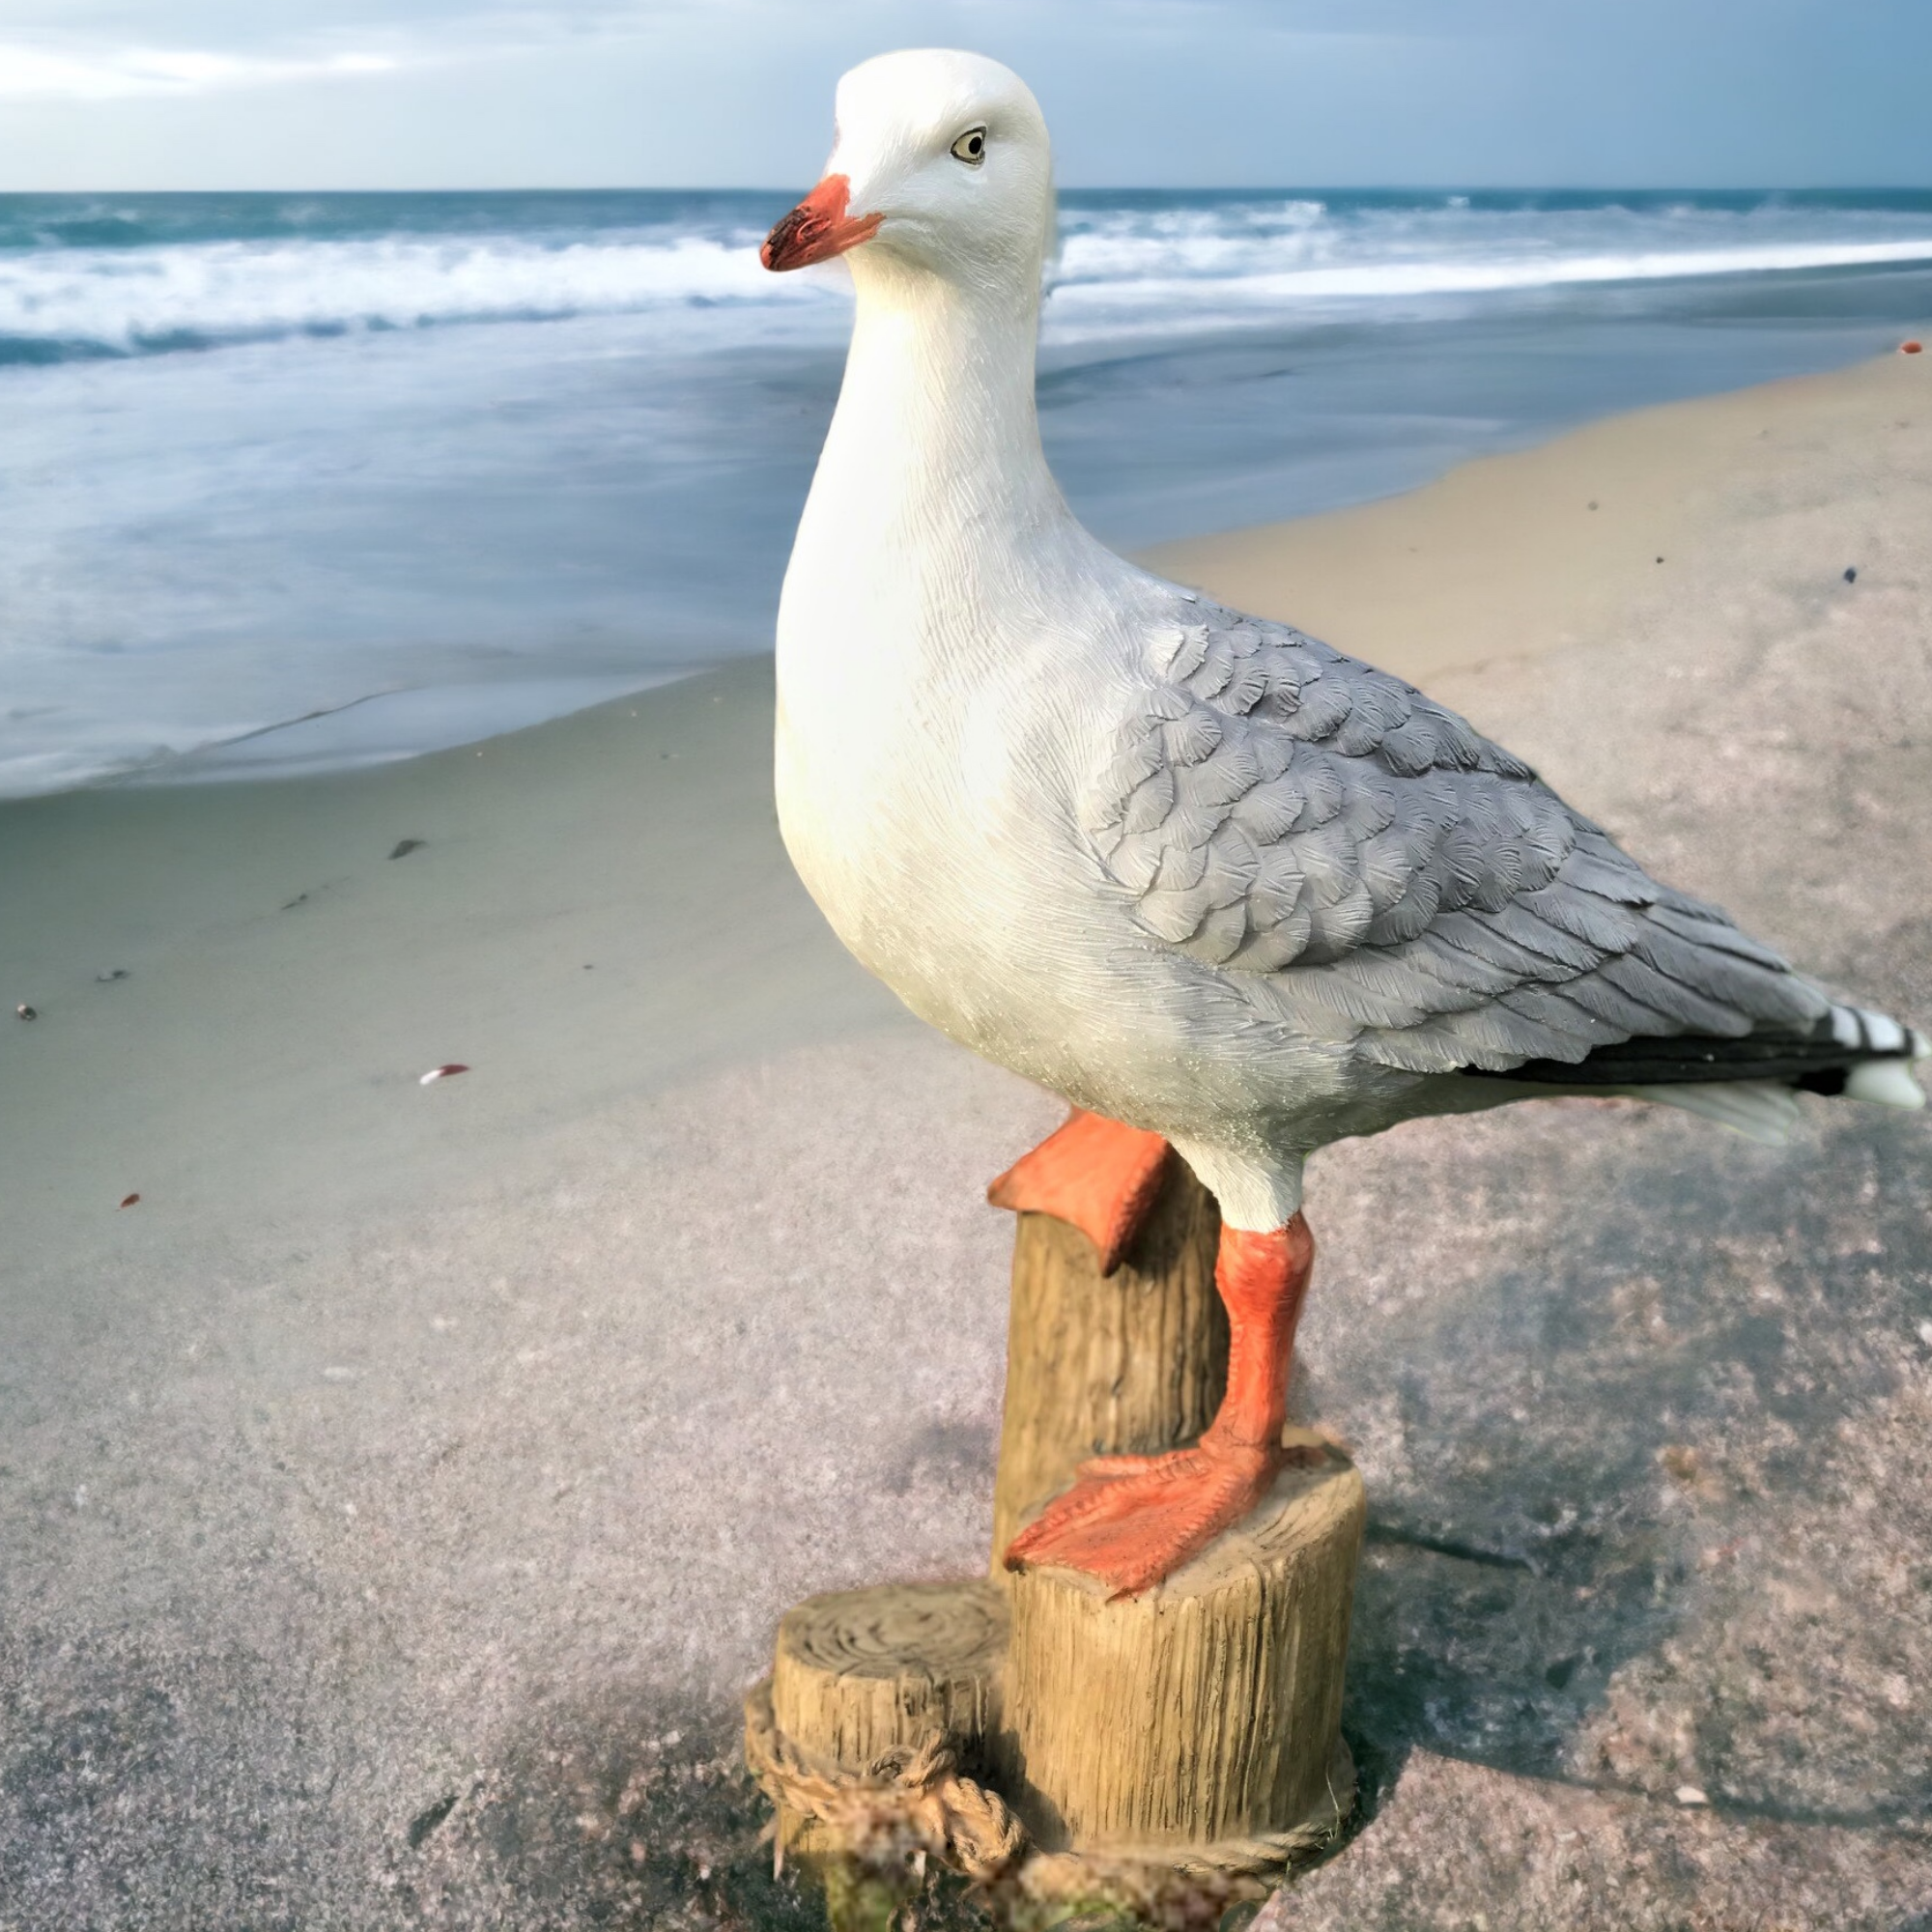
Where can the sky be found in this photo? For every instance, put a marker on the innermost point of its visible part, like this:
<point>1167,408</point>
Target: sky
<point>399,94</point>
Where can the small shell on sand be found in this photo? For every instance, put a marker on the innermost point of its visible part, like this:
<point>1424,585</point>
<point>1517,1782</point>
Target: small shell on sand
<point>443,1073</point>
<point>1911,348</point>
<point>26,1012</point>
<point>128,1200</point>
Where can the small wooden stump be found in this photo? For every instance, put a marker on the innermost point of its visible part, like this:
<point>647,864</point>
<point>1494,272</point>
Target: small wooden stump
<point>1208,1709</point>
<point>861,1674</point>
<point>864,1685</point>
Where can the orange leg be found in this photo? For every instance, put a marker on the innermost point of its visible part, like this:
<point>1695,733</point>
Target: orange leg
<point>1101,1177</point>
<point>1132,1520</point>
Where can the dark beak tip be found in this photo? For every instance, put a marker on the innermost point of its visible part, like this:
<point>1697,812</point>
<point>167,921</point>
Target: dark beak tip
<point>818,228</point>
<point>781,245</point>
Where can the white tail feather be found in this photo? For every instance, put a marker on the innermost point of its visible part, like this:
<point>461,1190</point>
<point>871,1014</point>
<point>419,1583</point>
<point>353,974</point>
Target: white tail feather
<point>1761,1110</point>
<point>1888,1082</point>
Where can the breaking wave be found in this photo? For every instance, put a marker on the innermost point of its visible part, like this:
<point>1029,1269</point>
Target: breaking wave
<point>162,273</point>
<point>82,301</point>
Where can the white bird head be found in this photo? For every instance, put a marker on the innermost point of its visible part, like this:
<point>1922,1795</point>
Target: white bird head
<point>939,164</point>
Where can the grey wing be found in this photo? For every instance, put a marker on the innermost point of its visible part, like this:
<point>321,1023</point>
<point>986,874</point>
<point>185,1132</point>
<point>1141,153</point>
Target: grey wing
<point>1383,875</point>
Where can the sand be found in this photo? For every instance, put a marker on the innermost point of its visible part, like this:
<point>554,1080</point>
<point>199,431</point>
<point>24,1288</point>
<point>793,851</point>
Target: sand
<point>395,1498</point>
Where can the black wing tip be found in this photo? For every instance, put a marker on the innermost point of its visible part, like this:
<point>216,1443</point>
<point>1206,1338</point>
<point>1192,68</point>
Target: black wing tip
<point>1815,1062</point>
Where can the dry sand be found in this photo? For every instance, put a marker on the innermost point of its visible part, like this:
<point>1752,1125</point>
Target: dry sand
<point>393,1499</point>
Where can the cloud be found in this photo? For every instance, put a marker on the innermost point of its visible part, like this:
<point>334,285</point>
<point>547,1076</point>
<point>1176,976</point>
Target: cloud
<point>90,50</point>
<point>94,50</point>
<point>115,73</point>
<point>212,92</point>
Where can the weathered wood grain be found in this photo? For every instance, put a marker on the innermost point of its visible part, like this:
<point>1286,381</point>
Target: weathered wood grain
<point>1205,1710</point>
<point>1098,1365</point>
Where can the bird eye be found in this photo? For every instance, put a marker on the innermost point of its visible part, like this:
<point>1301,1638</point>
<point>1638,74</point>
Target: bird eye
<point>971,147</point>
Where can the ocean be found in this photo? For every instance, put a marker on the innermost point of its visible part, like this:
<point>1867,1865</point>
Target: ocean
<point>292,482</point>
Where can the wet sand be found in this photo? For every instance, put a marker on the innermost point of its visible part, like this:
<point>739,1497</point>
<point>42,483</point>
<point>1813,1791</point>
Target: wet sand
<point>407,1444</point>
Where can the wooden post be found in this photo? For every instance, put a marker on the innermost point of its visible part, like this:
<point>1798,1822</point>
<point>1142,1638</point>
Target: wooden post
<point>1192,1730</point>
<point>1206,1710</point>
<point>1125,1363</point>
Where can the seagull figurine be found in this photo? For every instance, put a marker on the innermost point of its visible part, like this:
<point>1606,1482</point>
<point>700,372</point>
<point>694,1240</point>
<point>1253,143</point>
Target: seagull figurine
<point>1230,893</point>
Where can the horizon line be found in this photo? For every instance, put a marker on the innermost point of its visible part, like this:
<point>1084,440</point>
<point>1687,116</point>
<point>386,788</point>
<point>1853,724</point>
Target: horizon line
<point>1106,187</point>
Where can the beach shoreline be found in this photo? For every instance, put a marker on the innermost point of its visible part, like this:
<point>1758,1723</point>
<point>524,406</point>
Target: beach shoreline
<point>296,482</point>
<point>1420,584</point>
<point>404,1440</point>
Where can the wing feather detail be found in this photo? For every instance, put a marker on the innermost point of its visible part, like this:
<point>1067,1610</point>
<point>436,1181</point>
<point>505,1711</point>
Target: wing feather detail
<point>1377,872</point>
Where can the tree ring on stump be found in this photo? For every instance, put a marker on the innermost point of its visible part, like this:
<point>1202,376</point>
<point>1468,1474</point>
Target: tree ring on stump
<point>860,1675</point>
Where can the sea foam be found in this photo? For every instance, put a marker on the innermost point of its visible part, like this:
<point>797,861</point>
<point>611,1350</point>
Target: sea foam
<point>128,283</point>
<point>197,294</point>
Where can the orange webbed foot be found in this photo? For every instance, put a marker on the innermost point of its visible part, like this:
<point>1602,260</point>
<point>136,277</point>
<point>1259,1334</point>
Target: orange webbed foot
<point>1093,1173</point>
<point>1130,1521</point>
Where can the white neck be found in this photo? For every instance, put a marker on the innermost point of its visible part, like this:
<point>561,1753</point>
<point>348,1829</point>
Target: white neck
<point>936,564</point>
<point>932,482</point>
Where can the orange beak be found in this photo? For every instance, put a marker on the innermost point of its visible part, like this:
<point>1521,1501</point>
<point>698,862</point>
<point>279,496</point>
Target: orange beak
<point>818,228</point>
